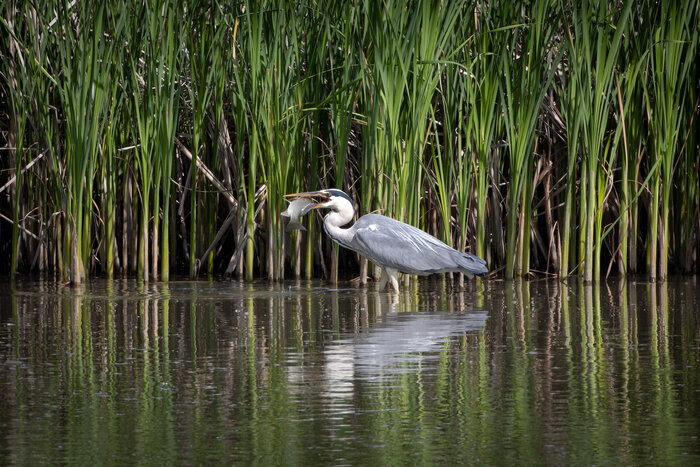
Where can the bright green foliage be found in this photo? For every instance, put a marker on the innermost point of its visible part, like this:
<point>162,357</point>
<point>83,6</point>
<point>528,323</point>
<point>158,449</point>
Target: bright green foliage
<point>154,82</point>
<point>545,136</point>
<point>674,50</point>
<point>593,46</point>
<point>527,65</point>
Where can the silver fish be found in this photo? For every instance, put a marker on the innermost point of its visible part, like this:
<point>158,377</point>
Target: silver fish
<point>296,209</point>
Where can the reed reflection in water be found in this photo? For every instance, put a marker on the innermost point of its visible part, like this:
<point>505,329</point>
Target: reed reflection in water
<point>200,372</point>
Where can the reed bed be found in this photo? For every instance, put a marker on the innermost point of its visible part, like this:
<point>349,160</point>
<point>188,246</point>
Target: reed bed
<point>549,137</point>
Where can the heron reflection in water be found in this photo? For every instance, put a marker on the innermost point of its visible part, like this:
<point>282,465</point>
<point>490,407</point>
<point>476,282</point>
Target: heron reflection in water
<point>391,244</point>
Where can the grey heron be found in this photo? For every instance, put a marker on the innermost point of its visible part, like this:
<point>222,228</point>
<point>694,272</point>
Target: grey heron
<point>391,244</point>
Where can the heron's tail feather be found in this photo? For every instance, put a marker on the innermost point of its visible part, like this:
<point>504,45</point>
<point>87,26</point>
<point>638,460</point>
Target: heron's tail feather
<point>472,265</point>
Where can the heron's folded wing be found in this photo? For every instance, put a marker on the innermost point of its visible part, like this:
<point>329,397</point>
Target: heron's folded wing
<point>393,244</point>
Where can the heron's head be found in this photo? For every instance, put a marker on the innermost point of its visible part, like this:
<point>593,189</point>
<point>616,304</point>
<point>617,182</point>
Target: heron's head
<point>333,199</point>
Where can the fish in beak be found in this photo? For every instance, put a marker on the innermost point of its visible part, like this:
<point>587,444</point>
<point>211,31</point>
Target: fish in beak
<point>323,196</point>
<point>296,209</point>
<point>301,206</point>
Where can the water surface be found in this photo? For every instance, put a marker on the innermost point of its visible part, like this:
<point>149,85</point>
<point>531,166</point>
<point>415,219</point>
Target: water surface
<point>225,372</point>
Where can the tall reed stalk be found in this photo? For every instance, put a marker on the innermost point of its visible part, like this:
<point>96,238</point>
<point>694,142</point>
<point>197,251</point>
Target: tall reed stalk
<point>276,114</point>
<point>671,57</point>
<point>109,171</point>
<point>154,79</point>
<point>629,103</point>
<point>85,56</point>
<point>248,75</point>
<point>19,94</point>
<point>483,116</point>
<point>205,47</point>
<point>592,50</point>
<point>527,74</point>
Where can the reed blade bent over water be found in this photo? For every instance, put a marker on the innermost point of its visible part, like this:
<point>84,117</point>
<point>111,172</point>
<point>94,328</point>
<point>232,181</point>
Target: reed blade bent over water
<point>391,244</point>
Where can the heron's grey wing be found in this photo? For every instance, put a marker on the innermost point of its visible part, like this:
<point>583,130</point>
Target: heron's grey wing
<point>397,245</point>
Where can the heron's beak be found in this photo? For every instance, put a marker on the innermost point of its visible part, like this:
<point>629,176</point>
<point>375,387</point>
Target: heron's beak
<point>306,194</point>
<point>310,194</point>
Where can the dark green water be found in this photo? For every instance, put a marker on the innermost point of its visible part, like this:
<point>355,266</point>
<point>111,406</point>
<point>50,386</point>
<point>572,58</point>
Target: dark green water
<point>299,373</point>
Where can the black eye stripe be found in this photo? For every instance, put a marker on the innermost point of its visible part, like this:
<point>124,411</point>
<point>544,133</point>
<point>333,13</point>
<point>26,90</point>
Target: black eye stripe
<point>338,193</point>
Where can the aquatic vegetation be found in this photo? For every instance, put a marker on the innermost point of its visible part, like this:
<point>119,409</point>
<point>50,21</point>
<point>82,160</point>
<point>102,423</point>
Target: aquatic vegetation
<point>546,137</point>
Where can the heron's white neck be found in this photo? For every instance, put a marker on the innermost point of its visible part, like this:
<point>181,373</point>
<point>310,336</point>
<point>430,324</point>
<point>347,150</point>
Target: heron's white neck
<point>341,213</point>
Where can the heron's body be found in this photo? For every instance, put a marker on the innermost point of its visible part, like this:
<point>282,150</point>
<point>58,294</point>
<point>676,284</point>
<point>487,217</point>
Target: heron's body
<point>391,244</point>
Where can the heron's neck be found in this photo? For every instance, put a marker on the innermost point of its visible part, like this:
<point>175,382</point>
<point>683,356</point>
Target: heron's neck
<point>333,223</point>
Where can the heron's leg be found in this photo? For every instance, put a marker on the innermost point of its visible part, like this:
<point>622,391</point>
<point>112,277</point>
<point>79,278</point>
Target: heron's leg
<point>382,282</point>
<point>393,278</point>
